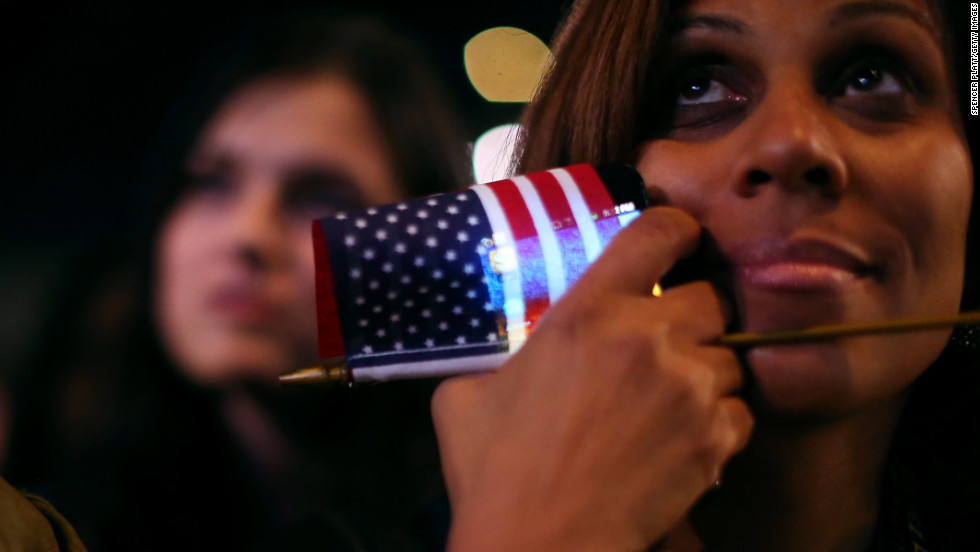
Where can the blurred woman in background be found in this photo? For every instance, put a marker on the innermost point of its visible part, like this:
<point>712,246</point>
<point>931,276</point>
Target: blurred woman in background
<point>173,434</point>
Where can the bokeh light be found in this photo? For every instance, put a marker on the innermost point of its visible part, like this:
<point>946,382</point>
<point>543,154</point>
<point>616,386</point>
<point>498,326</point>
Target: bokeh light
<point>504,64</point>
<point>492,152</point>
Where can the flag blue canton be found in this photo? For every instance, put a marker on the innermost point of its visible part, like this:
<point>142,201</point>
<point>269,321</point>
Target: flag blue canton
<point>411,283</point>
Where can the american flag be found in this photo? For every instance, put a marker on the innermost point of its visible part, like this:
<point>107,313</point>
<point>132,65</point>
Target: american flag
<point>453,283</point>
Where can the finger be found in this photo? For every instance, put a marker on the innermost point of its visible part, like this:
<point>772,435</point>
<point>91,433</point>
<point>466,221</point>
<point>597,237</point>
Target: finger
<point>731,428</point>
<point>707,310</point>
<point>737,418</point>
<point>726,372</point>
<point>455,397</point>
<point>682,538</point>
<point>643,251</point>
<point>454,404</point>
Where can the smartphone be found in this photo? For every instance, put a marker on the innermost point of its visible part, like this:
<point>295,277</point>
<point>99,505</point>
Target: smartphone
<point>454,283</point>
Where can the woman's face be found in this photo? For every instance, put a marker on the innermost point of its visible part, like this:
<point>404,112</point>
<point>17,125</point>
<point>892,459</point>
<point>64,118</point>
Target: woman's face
<point>817,142</point>
<point>235,289</point>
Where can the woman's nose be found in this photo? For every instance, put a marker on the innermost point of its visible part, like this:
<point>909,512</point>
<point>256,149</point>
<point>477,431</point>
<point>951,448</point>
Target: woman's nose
<point>790,145</point>
<point>258,229</point>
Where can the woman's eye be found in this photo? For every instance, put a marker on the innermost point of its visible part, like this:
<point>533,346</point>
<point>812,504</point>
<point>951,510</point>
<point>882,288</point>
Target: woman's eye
<point>871,78</point>
<point>702,89</point>
<point>876,89</point>
<point>704,97</point>
<point>210,182</point>
<point>318,193</point>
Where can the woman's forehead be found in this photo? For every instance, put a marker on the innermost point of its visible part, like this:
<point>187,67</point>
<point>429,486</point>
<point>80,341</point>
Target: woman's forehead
<point>922,11</point>
<point>761,22</point>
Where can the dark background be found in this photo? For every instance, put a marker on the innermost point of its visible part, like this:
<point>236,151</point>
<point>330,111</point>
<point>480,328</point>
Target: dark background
<point>87,85</point>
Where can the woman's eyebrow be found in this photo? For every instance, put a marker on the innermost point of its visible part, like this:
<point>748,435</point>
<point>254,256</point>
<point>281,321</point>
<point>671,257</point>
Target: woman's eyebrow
<point>842,14</point>
<point>878,8</point>
<point>713,22</point>
<point>209,160</point>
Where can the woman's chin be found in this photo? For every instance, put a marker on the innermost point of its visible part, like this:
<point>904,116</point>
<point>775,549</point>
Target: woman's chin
<point>235,364</point>
<point>808,380</point>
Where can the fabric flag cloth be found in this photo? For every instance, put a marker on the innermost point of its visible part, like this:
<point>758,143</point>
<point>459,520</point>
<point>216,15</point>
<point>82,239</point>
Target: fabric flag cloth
<point>453,283</point>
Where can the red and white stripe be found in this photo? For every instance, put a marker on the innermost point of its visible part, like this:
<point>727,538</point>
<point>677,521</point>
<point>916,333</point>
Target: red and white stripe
<point>525,207</point>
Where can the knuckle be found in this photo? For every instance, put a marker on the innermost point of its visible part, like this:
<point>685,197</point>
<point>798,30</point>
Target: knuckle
<point>576,318</point>
<point>727,376</point>
<point>632,342</point>
<point>670,226</point>
<point>662,329</point>
<point>728,435</point>
<point>743,422</point>
<point>686,392</point>
<point>698,305</point>
<point>714,450</point>
<point>726,444</point>
<point>706,463</point>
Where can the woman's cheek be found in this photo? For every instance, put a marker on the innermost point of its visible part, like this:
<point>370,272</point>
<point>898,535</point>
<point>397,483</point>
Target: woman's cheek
<point>679,174</point>
<point>304,284</point>
<point>302,266</point>
<point>185,245</point>
<point>927,197</point>
<point>180,284</point>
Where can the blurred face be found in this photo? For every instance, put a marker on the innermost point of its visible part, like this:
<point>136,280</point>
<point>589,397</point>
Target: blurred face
<point>817,142</point>
<point>235,289</point>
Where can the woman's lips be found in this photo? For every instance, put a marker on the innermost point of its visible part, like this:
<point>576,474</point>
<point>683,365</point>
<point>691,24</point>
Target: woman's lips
<point>243,304</point>
<point>796,276</point>
<point>800,265</point>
